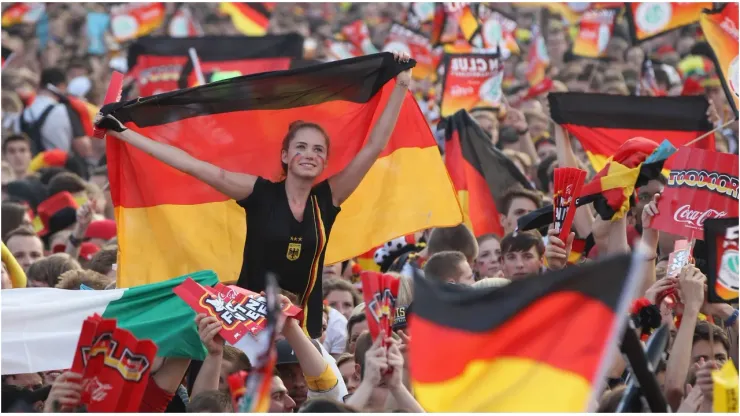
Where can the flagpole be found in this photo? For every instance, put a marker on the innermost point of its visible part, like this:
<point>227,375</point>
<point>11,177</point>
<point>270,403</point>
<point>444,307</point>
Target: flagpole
<point>634,277</point>
<point>705,135</point>
<point>196,66</point>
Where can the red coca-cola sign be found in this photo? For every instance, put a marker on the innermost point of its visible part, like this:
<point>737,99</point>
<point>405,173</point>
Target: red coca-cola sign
<point>702,185</point>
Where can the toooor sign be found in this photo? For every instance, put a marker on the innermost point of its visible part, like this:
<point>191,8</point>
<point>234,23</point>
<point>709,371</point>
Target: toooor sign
<point>702,185</point>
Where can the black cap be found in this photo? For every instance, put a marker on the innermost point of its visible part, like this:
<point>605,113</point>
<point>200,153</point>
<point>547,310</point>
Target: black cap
<point>285,353</point>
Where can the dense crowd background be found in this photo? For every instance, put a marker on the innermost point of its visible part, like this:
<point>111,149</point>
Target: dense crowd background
<point>81,251</point>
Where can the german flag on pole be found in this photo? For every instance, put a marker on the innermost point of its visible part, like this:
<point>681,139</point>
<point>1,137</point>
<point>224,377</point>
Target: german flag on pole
<point>603,122</point>
<point>251,19</point>
<point>480,172</point>
<point>720,29</point>
<point>540,344</point>
<point>169,222</point>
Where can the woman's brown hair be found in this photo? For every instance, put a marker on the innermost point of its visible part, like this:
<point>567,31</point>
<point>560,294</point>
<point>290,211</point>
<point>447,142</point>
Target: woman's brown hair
<point>49,269</point>
<point>13,214</point>
<point>293,130</point>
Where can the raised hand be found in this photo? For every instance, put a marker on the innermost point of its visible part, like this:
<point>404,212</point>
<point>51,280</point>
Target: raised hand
<point>376,363</point>
<point>557,251</point>
<point>650,211</point>
<point>208,329</point>
<point>394,378</point>
<point>65,392</point>
<point>660,286</point>
<point>404,78</point>
<point>692,281</point>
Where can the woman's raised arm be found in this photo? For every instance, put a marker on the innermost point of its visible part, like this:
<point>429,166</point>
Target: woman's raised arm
<point>345,182</point>
<point>235,185</point>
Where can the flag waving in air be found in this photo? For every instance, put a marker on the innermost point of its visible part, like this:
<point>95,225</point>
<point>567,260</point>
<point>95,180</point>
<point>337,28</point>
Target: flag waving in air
<point>720,28</point>
<point>603,122</point>
<point>480,172</point>
<point>539,344</point>
<point>170,223</point>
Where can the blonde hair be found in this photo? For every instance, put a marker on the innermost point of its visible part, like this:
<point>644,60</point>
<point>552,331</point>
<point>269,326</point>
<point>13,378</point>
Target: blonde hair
<point>405,291</point>
<point>491,282</point>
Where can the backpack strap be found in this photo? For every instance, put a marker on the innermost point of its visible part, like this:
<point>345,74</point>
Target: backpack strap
<point>33,129</point>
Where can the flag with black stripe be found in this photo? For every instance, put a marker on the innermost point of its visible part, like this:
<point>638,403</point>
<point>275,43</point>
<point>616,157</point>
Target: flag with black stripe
<point>539,344</point>
<point>480,172</point>
<point>604,122</point>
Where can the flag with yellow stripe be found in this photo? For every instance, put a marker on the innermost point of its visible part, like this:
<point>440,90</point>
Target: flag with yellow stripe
<point>519,348</point>
<point>171,224</point>
<point>251,19</point>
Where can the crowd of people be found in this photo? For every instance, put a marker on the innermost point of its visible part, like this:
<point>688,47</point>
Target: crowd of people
<point>47,168</point>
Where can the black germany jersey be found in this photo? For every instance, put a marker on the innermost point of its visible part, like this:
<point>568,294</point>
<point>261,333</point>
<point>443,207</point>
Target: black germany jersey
<point>276,242</point>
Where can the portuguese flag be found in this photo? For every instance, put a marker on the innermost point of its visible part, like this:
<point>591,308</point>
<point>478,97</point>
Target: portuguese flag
<point>480,172</point>
<point>540,344</point>
<point>150,312</point>
<point>170,223</point>
<point>603,122</point>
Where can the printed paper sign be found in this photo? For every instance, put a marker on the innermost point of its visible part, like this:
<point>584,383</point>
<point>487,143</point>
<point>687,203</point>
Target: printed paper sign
<point>358,35</point>
<point>183,25</point>
<point>240,311</point>
<point>379,291</point>
<point>722,249</point>
<point>471,80</point>
<point>679,258</point>
<point>568,183</point>
<point>135,20</point>
<point>115,366</point>
<point>702,185</point>
<point>595,31</point>
<point>498,30</point>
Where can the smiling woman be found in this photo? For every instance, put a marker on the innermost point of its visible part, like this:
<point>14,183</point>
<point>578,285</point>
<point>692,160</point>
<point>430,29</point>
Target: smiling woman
<point>288,221</point>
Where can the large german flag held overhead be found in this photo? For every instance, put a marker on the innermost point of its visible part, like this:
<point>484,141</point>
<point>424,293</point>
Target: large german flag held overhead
<point>171,224</point>
<point>603,122</point>
<point>536,345</point>
<point>480,172</point>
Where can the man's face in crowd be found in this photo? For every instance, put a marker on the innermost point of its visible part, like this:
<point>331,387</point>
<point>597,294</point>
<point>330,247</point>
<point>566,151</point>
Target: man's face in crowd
<point>31,381</point>
<point>332,271</point>
<point>350,375</point>
<point>488,262</point>
<point>488,122</point>
<point>292,377</point>
<point>26,249</point>
<point>519,207</point>
<point>18,155</point>
<point>342,301</point>
<point>280,401</point>
<point>546,149</point>
<point>355,333</point>
<point>702,349</point>
<point>518,264</point>
<point>645,194</point>
<point>464,274</point>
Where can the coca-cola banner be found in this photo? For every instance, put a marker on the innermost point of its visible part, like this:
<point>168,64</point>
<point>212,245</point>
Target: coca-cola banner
<point>471,80</point>
<point>702,185</point>
<point>722,244</point>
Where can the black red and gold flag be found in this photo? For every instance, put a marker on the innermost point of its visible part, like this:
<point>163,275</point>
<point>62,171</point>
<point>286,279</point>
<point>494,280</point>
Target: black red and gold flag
<point>251,19</point>
<point>241,129</point>
<point>480,172</point>
<point>539,344</point>
<point>135,20</point>
<point>720,28</point>
<point>156,63</point>
<point>603,122</point>
<point>648,20</point>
